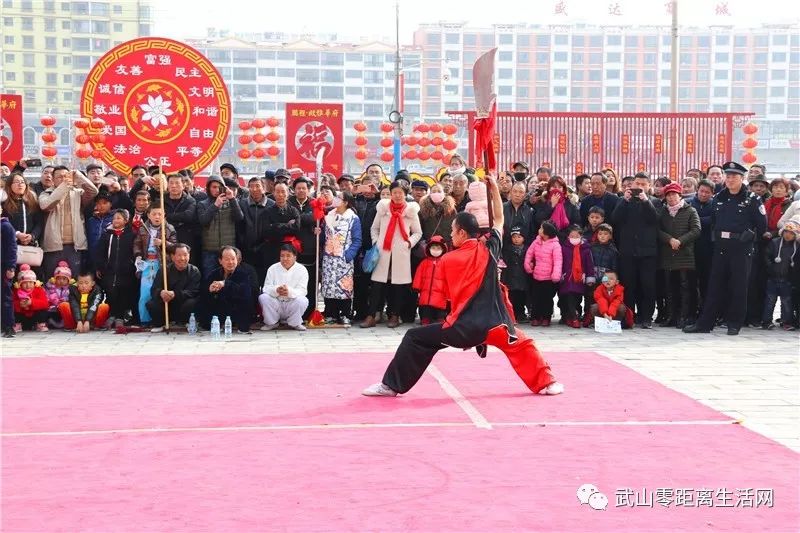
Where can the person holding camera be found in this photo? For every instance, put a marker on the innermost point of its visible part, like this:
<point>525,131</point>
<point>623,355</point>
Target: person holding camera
<point>636,219</point>
<point>737,219</point>
<point>218,216</point>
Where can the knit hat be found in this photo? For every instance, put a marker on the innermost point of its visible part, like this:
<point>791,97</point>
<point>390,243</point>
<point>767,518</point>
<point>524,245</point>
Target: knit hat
<point>673,187</point>
<point>26,274</point>
<point>62,270</point>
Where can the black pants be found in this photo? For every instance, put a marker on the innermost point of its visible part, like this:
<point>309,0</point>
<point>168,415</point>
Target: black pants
<point>543,293</point>
<point>681,294</point>
<point>638,276</point>
<point>336,309</point>
<point>431,314</point>
<point>662,305</point>
<point>7,318</point>
<point>118,298</point>
<point>179,311</point>
<point>702,261</point>
<point>390,294</point>
<point>215,305</point>
<point>362,284</point>
<point>518,300</point>
<point>311,267</point>
<point>571,302</point>
<point>727,284</point>
<point>757,289</point>
<point>29,322</point>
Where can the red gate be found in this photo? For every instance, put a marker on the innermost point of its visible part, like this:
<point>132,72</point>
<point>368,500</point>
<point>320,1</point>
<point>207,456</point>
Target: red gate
<point>663,144</point>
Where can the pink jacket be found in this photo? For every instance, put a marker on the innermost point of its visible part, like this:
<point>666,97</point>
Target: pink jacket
<point>543,260</point>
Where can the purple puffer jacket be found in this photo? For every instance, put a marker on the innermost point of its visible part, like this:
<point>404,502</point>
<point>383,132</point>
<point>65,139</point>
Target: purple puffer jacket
<point>569,285</point>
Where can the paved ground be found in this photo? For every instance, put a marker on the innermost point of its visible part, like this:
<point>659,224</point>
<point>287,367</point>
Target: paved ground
<point>754,377</point>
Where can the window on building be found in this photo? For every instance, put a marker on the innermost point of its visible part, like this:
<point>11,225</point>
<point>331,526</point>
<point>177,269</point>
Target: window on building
<point>629,92</point>
<point>542,92</point>
<point>502,56</point>
<point>701,92</point>
<point>578,58</point>
<point>759,75</point>
<point>722,40</point>
<point>244,74</point>
<point>307,75</point>
<point>612,92</point>
<point>266,89</point>
<point>373,93</point>
<point>506,38</point>
<point>595,75</point>
<point>578,41</point>
<point>504,90</point>
<point>27,23</point>
<point>648,92</point>
<point>777,92</point>
<point>542,75</point>
<point>649,75</point>
<point>613,40</point>
<point>332,58</point>
<point>353,91</point>
<point>332,92</point>
<point>470,39</point>
<point>776,109</point>
<point>505,74</point>
<point>595,58</point>
<point>50,61</point>
<point>245,56</point>
<point>778,74</point>
<point>29,78</point>
<point>11,76</point>
<point>287,89</point>
<point>631,75</point>
<point>332,76</point>
<point>28,60</point>
<point>576,92</point>
<point>577,75</point>
<point>596,41</point>
<point>307,91</point>
<point>543,40</point>
<point>433,90</point>
<point>542,58</point>
<point>285,56</point>
<point>559,91</point>
<point>560,74</point>
<point>374,77</point>
<point>740,41</point>
<point>560,57</point>
<point>100,26</point>
<point>612,74</point>
<point>522,92</point>
<point>433,38</point>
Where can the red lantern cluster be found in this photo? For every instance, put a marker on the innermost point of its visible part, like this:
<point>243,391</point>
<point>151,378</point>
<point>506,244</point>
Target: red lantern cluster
<point>438,137</point>
<point>750,143</point>
<point>245,138</point>
<point>361,141</point>
<point>273,137</point>
<point>49,137</point>
<point>387,142</point>
<point>89,138</point>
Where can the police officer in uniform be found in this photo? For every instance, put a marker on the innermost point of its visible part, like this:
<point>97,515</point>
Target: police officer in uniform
<point>737,217</point>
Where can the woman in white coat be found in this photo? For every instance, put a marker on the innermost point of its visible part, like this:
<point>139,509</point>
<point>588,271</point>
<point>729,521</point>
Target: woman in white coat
<point>396,230</point>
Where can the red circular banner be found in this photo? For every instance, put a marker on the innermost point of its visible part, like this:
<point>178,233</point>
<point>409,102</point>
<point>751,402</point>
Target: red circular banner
<point>163,102</point>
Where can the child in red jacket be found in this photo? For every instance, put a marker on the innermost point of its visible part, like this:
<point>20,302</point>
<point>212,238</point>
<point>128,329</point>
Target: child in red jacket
<point>429,283</point>
<point>30,301</point>
<point>608,298</point>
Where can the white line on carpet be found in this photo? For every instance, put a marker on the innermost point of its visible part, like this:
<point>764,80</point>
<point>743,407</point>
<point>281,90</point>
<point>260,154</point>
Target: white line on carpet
<point>90,432</point>
<point>472,412</point>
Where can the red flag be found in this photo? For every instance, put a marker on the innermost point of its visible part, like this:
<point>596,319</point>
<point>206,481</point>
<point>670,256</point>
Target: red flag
<point>485,107</point>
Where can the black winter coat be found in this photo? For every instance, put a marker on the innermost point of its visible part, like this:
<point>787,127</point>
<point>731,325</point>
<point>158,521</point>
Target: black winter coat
<point>636,225</point>
<point>113,258</point>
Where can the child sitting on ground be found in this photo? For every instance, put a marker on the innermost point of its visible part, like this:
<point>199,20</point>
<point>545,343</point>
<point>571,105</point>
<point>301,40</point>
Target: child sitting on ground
<point>57,290</point>
<point>30,301</point>
<point>429,283</point>
<point>608,298</point>
<point>84,309</point>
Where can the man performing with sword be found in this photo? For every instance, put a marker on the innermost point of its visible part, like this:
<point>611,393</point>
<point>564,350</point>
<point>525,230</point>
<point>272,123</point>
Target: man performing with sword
<point>479,315</point>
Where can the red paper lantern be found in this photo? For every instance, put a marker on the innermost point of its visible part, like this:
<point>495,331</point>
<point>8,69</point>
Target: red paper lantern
<point>97,154</point>
<point>83,153</point>
<point>423,128</point>
<point>750,129</point>
<point>273,151</point>
<point>749,143</point>
<point>49,151</point>
<point>424,156</point>
<point>245,125</point>
<point>437,141</point>
<point>82,123</point>
<point>387,156</point>
<point>386,127</point>
<point>82,139</point>
<point>749,158</point>
<point>424,142</point>
<point>259,123</point>
<point>273,136</point>
<point>361,141</point>
<point>359,127</point>
<point>412,154</point>
<point>47,121</point>
<point>49,137</point>
<point>387,142</point>
<point>98,138</point>
<point>259,138</point>
<point>245,139</point>
<point>412,141</point>
<point>97,123</point>
<point>361,155</point>
<point>449,145</point>
<point>259,153</point>
<point>244,153</point>
<point>273,122</point>
<point>449,129</point>
<point>436,127</point>
<point>437,155</point>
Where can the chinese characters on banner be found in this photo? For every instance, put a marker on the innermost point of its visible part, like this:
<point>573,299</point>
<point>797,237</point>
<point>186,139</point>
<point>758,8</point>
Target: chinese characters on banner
<point>690,143</point>
<point>562,143</point>
<point>311,128</point>
<point>163,103</point>
<point>721,143</point>
<point>658,143</point>
<point>529,143</point>
<point>10,127</point>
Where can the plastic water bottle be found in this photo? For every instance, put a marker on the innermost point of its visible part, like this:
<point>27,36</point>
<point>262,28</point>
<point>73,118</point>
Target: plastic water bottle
<point>191,328</point>
<point>215,329</point>
<point>228,328</point>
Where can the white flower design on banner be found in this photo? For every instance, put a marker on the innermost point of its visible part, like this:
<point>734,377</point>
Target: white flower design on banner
<point>156,110</point>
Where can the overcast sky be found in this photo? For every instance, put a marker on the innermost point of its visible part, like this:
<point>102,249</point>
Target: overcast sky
<point>373,18</point>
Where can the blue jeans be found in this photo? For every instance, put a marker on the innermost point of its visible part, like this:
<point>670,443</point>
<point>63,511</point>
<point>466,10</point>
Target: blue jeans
<point>776,289</point>
<point>210,262</point>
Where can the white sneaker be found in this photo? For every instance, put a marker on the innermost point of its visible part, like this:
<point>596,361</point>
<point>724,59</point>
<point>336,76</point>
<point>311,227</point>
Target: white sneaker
<point>157,330</point>
<point>552,389</point>
<point>378,389</point>
<point>300,327</point>
<point>269,327</point>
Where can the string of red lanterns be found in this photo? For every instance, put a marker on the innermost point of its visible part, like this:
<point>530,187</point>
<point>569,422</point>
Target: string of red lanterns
<point>89,140</point>
<point>49,137</point>
<point>387,142</point>
<point>361,141</point>
<point>749,143</point>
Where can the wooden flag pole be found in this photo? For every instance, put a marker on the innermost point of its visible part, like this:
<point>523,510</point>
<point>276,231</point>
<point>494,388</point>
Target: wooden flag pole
<point>163,244</point>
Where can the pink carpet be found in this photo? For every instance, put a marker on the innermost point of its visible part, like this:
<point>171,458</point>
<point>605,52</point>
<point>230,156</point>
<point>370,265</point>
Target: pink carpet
<point>382,479</point>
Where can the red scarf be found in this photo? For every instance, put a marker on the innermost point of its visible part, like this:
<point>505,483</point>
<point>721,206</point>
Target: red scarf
<point>396,210</point>
<point>577,268</point>
<point>774,207</point>
<point>559,216</point>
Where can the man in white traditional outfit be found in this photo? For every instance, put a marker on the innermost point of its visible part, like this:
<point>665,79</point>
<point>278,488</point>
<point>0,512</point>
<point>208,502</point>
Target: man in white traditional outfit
<point>284,295</point>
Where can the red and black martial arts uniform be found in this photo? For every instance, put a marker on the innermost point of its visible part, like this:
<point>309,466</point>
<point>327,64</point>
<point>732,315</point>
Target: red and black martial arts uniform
<point>479,317</point>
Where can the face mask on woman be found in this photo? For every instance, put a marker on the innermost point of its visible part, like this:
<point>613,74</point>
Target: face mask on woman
<point>575,241</point>
<point>437,197</point>
<point>458,171</point>
<point>336,202</point>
